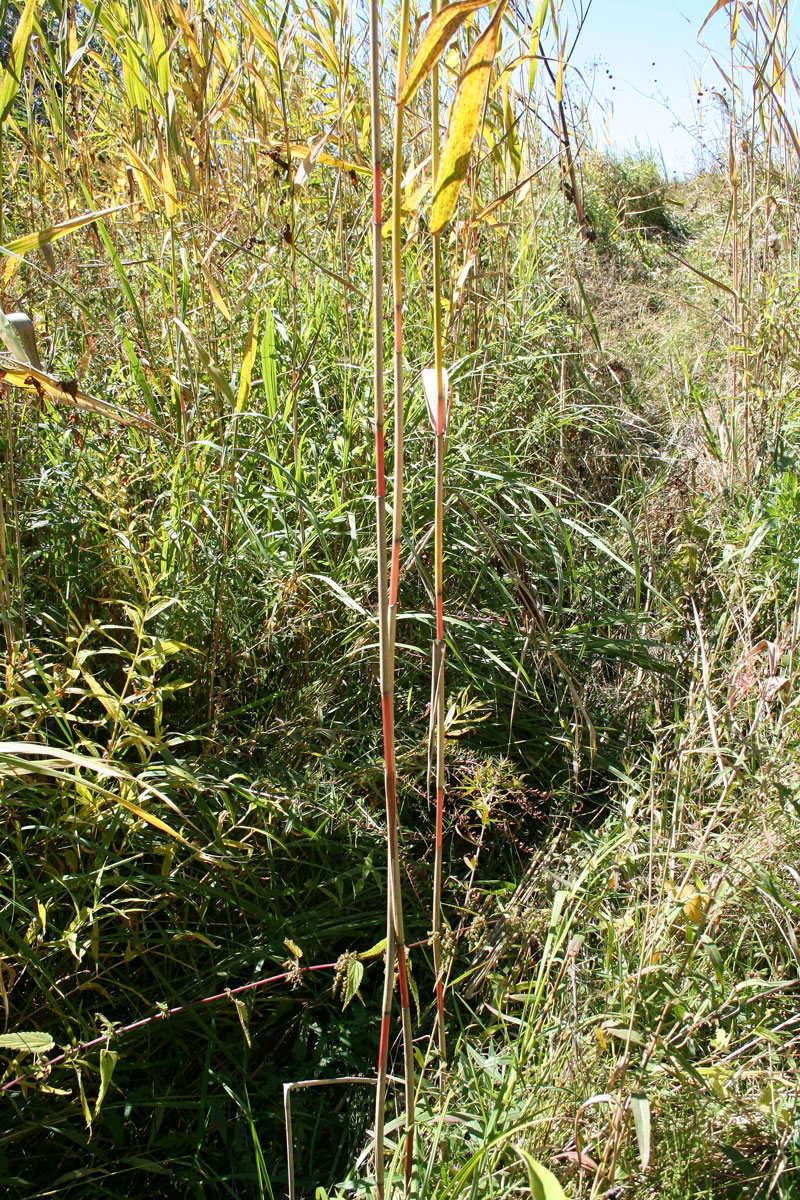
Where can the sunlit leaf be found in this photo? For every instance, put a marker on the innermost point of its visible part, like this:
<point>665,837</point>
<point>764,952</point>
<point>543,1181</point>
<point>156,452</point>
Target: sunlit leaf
<point>26,1043</point>
<point>216,295</point>
<point>108,1060</point>
<point>533,49</point>
<point>20,246</point>
<point>510,128</point>
<point>248,359</point>
<point>12,76</point>
<point>441,30</point>
<point>465,114</point>
<point>355,973</point>
<point>542,1182</point>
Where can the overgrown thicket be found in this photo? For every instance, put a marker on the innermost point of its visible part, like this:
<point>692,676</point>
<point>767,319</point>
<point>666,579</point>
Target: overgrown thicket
<point>193,840</point>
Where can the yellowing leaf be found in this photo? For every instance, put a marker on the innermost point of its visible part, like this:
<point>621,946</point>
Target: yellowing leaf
<point>247,365</point>
<point>533,49</point>
<point>131,76</point>
<point>168,187</point>
<point>23,375</point>
<point>440,31</point>
<point>315,154</point>
<point>560,71</point>
<point>34,241</point>
<point>694,905</point>
<point>262,35</point>
<point>12,76</point>
<point>327,160</point>
<point>159,55</point>
<point>432,397</point>
<point>510,128</point>
<point>142,172</point>
<point>465,114</point>
<point>216,295</point>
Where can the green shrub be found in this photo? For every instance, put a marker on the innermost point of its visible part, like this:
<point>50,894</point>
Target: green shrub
<point>629,193</point>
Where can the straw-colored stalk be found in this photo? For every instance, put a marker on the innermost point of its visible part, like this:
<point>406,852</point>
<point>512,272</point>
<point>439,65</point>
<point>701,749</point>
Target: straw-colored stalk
<point>437,669</point>
<point>395,930</point>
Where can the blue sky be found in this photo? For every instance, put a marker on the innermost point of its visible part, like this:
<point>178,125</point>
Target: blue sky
<point>642,58</point>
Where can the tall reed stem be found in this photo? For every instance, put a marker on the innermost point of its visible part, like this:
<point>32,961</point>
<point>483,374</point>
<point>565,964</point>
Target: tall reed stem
<point>437,669</point>
<point>397,299</point>
<point>394,898</point>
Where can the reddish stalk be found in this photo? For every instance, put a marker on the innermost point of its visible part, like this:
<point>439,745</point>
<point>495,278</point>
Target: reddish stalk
<point>394,900</point>
<point>437,675</point>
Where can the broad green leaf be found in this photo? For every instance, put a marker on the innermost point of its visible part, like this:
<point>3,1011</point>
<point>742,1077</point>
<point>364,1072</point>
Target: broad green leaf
<point>355,973</point>
<point>26,1043</point>
<point>465,113</point>
<point>640,1107</point>
<point>441,30</point>
<point>108,1060</point>
<point>542,1182</point>
<point>12,76</point>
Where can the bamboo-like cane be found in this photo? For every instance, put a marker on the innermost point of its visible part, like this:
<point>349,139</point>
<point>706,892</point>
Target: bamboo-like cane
<point>394,899</point>
<point>397,300</point>
<point>437,668</point>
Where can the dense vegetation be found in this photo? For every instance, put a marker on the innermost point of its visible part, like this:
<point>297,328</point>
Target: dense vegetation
<point>193,843</point>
